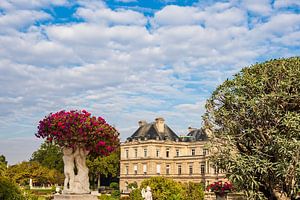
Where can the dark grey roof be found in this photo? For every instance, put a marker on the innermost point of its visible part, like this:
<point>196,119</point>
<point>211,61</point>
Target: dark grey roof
<point>149,131</point>
<point>197,135</point>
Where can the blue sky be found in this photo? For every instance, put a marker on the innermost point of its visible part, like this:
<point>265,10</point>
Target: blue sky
<point>129,60</point>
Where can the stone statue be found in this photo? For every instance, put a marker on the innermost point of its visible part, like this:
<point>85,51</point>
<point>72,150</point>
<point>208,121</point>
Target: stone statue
<point>81,182</point>
<point>68,159</point>
<point>147,195</point>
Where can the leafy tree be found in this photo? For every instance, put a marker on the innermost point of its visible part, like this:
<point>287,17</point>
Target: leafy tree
<point>105,166</point>
<point>163,188</point>
<point>49,155</point>
<point>9,190</point>
<point>3,164</point>
<point>21,173</point>
<point>193,191</point>
<point>254,124</point>
<point>136,195</point>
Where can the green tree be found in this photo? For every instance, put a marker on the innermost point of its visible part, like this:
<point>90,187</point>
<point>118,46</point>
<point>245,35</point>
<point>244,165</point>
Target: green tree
<point>21,173</point>
<point>105,166</point>
<point>193,191</point>
<point>163,188</point>
<point>3,165</point>
<point>9,190</point>
<point>49,155</point>
<point>254,125</point>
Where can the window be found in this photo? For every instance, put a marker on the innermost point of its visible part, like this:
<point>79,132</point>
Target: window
<point>205,152</point>
<point>202,168</point>
<point>167,152</point>
<point>179,169</point>
<point>193,152</point>
<point>145,152</point>
<point>126,170</point>
<point>191,169</point>
<point>158,168</point>
<point>135,153</point>
<point>157,152</point>
<point>127,153</point>
<point>135,168</point>
<point>177,152</point>
<point>167,169</point>
<point>145,169</point>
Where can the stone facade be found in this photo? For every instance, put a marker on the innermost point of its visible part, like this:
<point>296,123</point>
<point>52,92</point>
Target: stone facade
<point>155,150</point>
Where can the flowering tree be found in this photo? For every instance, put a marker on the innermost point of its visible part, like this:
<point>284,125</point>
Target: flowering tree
<point>78,129</point>
<point>79,134</point>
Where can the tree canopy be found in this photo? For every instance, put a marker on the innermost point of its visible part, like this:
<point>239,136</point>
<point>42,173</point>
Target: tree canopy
<point>49,155</point>
<point>254,123</point>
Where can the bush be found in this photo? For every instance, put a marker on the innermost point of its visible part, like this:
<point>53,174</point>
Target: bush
<point>9,190</point>
<point>107,197</point>
<point>136,195</point>
<point>115,193</point>
<point>114,185</point>
<point>164,188</point>
<point>193,191</point>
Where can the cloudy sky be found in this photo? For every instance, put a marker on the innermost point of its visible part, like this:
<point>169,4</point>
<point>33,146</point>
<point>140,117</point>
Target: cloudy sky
<point>129,60</point>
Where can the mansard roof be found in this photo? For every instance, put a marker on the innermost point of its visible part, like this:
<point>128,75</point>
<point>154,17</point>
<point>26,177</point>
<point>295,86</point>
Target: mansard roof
<point>150,131</point>
<point>197,135</point>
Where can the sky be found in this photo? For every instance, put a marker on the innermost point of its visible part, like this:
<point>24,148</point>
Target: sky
<point>129,60</point>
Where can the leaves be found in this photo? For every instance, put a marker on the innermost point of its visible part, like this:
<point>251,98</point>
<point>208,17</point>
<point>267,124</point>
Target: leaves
<point>256,115</point>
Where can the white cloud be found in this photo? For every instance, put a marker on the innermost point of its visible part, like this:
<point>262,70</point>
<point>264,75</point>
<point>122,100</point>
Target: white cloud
<point>110,17</point>
<point>115,64</point>
<point>262,7</point>
<point>286,3</point>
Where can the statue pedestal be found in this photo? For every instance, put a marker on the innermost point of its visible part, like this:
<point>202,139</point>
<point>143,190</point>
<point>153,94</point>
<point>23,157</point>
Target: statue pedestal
<point>75,197</point>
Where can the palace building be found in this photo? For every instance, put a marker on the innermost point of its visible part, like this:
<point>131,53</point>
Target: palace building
<point>154,149</point>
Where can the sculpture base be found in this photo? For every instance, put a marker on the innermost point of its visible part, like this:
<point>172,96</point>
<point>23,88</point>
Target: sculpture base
<point>75,197</point>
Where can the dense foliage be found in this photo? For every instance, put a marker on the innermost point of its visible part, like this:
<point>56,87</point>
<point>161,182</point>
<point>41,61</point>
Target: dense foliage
<point>40,175</point>
<point>167,189</point>
<point>254,124</point>
<point>104,166</point>
<point>49,155</point>
<point>9,190</point>
<point>75,129</point>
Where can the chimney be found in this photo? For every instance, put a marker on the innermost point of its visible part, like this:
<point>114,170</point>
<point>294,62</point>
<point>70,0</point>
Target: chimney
<point>160,124</point>
<point>142,123</point>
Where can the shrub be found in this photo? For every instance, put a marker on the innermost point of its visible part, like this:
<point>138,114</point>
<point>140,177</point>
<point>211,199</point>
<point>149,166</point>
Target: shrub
<point>9,190</point>
<point>163,188</point>
<point>136,194</point>
<point>193,191</point>
<point>115,193</point>
<point>114,185</point>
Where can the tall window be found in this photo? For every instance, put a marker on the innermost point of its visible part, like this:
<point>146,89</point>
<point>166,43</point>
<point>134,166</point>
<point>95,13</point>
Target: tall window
<point>135,169</point>
<point>179,169</point>
<point>177,152</point>
<point>202,168</point>
<point>135,153</point>
<point>127,153</point>
<point>126,170</point>
<point>145,152</point>
<point>193,152</point>
<point>145,169</point>
<point>167,152</point>
<point>167,169</point>
<point>158,169</point>
<point>190,169</point>
<point>205,152</point>
<point>157,152</point>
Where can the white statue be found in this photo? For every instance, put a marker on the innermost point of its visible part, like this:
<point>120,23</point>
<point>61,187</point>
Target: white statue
<point>79,183</point>
<point>147,195</point>
<point>68,159</point>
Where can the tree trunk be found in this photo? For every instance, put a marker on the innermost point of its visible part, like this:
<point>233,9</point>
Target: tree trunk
<point>98,181</point>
